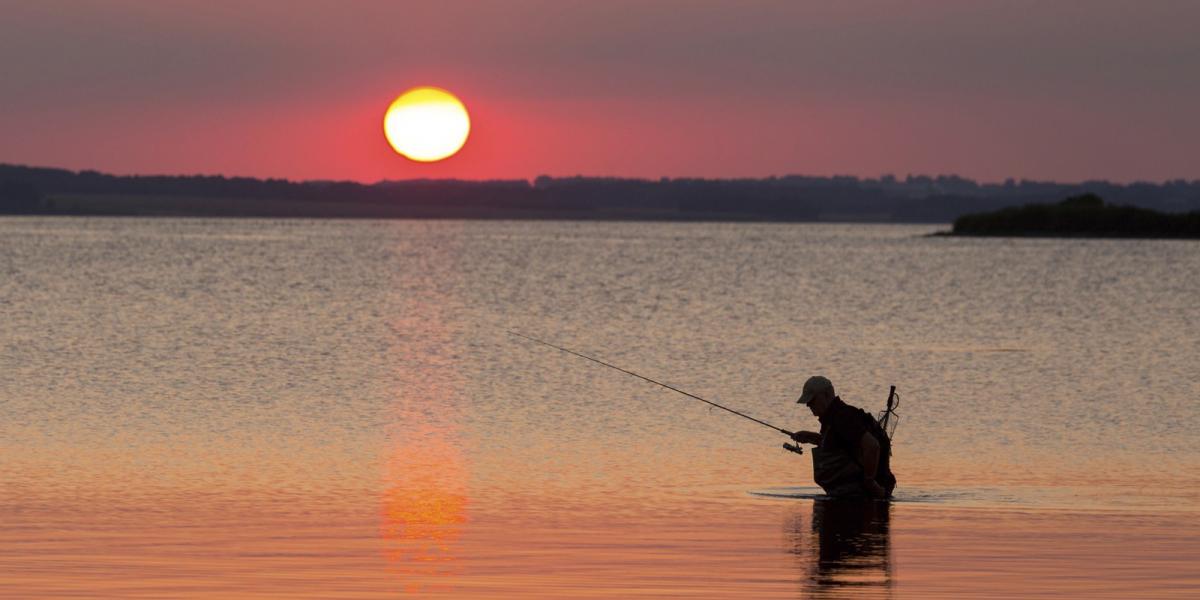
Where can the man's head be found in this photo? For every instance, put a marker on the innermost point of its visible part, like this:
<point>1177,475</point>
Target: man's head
<point>817,395</point>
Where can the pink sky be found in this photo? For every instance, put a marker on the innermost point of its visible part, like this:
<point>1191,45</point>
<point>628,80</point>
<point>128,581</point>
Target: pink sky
<point>1025,89</point>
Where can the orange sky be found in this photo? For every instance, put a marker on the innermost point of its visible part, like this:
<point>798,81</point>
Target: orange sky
<point>1069,91</point>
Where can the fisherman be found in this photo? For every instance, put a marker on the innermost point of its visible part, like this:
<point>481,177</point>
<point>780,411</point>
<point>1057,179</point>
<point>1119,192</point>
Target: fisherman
<point>852,457</point>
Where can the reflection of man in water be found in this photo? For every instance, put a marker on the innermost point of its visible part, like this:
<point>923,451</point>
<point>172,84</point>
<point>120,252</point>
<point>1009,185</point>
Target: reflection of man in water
<point>852,548</point>
<point>852,457</point>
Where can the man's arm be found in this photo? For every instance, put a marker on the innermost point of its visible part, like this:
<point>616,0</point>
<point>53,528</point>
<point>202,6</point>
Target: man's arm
<point>869,459</point>
<point>807,437</point>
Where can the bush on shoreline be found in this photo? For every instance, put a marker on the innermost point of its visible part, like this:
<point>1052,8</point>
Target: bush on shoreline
<point>1079,216</point>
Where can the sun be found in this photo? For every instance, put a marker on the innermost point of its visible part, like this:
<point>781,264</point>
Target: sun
<point>426,124</point>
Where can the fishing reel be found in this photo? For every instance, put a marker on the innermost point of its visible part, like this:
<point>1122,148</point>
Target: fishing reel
<point>793,448</point>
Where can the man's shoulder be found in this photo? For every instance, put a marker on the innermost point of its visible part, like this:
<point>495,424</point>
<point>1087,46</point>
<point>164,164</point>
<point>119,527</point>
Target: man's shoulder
<point>841,407</point>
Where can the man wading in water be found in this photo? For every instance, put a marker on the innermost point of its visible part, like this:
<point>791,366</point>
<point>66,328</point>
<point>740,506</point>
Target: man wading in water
<point>853,452</point>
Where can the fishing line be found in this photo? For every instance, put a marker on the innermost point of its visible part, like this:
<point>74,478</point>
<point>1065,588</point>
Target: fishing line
<point>659,383</point>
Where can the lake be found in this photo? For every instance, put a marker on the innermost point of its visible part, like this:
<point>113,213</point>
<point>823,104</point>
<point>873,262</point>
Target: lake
<point>335,409</point>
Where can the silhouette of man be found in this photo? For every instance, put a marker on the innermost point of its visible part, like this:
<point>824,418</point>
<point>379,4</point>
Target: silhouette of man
<point>852,457</point>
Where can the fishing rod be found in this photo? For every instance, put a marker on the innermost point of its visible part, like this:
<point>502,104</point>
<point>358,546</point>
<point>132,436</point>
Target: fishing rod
<point>790,447</point>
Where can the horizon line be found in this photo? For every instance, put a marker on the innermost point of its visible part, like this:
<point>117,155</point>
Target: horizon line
<point>531,181</point>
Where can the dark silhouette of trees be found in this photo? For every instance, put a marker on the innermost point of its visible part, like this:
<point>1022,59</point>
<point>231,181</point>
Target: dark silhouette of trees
<point>19,197</point>
<point>913,198</point>
<point>1082,215</point>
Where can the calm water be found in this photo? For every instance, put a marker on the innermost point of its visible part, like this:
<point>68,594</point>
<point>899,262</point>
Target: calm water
<point>255,408</point>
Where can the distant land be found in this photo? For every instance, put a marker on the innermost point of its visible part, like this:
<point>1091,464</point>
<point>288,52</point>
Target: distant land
<point>887,199</point>
<point>1085,215</point>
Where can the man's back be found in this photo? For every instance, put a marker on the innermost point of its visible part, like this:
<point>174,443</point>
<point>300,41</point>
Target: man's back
<point>842,428</point>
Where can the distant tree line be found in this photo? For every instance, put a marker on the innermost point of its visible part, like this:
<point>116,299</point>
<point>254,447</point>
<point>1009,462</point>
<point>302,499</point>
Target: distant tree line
<point>915,198</point>
<point>19,197</point>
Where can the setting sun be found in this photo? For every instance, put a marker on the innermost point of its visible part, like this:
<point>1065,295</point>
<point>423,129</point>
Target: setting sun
<point>426,124</point>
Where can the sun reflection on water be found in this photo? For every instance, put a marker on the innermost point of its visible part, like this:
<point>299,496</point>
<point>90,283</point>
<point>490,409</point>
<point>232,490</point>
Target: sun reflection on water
<point>425,501</point>
<point>424,507</point>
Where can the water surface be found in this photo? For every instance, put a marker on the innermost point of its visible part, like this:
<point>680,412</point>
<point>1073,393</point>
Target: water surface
<point>261,408</point>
